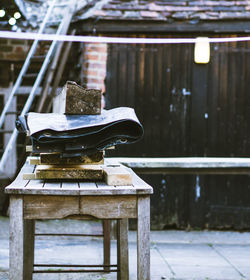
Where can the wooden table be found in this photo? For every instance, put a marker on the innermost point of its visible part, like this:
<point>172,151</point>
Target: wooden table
<point>39,199</point>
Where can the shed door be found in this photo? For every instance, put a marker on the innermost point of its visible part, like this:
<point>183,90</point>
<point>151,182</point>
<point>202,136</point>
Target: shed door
<point>188,110</point>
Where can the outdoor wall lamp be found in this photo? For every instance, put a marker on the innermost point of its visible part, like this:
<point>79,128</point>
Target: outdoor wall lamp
<point>202,50</point>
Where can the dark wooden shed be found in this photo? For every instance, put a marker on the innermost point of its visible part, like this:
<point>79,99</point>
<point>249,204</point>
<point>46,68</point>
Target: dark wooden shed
<point>187,109</point>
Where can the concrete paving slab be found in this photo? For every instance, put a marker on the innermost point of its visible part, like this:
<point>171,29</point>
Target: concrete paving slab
<point>193,260</point>
<point>205,272</point>
<point>175,255</point>
<point>234,253</point>
<point>4,254</point>
<point>191,254</point>
<point>194,237</point>
<point>237,255</point>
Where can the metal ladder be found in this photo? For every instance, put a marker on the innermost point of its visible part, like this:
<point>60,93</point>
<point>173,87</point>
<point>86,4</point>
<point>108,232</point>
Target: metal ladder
<point>48,68</point>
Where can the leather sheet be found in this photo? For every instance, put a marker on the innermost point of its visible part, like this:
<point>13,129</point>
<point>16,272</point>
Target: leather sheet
<point>75,135</point>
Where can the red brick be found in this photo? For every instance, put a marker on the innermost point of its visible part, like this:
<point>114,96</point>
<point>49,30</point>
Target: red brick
<point>103,57</point>
<point>14,56</point>
<point>20,49</point>
<point>95,80</point>
<point>96,47</point>
<point>90,72</point>
<point>92,57</point>
<point>94,85</point>
<point>95,65</point>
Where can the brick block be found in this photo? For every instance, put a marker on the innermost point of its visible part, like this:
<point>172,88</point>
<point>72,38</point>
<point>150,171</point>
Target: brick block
<point>18,42</point>
<point>3,41</point>
<point>6,48</point>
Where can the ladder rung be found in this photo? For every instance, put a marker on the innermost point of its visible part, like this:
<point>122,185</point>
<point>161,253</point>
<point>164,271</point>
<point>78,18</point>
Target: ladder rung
<point>54,21</point>
<point>38,57</point>
<point>9,131</point>
<point>13,113</point>
<point>6,131</point>
<point>30,75</point>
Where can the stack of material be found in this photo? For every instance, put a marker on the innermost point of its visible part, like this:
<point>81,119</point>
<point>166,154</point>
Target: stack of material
<point>70,143</point>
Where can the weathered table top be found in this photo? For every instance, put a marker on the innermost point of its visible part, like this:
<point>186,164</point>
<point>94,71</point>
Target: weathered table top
<point>76,187</point>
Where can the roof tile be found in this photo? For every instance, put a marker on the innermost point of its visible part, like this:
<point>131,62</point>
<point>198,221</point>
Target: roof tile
<point>171,10</point>
<point>182,15</point>
<point>131,14</point>
<point>100,13</point>
<point>241,15</point>
<point>149,14</point>
<point>154,7</point>
<point>114,13</point>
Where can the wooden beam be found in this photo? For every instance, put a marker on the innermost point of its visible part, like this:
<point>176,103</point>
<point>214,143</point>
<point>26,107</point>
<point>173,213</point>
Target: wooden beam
<point>89,172</point>
<point>144,27</point>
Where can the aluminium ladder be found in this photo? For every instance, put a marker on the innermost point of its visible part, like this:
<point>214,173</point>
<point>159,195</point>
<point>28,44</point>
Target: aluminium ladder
<point>47,67</point>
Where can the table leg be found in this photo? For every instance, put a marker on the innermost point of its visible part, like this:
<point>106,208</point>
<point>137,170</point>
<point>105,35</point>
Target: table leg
<point>143,237</point>
<point>122,249</point>
<point>21,242</point>
<point>106,244</point>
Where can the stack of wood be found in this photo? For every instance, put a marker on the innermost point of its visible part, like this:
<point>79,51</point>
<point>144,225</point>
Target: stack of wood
<point>78,100</point>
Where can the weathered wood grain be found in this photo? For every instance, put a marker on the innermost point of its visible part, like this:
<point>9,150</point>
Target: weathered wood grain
<point>122,249</point>
<point>19,182</point>
<point>117,176</point>
<point>143,238</point>
<point>29,176</point>
<point>21,242</point>
<point>58,199</point>
<point>106,243</point>
<point>58,207</point>
<point>91,172</point>
<point>49,206</point>
<point>54,158</point>
<point>48,185</point>
<point>116,207</point>
<point>33,160</point>
<point>28,149</point>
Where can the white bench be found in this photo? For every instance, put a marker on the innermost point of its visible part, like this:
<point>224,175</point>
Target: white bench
<point>186,165</point>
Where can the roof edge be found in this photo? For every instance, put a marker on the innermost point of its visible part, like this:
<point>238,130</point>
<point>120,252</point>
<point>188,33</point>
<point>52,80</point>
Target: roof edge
<point>93,26</point>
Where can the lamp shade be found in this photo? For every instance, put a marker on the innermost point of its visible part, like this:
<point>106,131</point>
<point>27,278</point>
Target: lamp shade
<point>202,50</point>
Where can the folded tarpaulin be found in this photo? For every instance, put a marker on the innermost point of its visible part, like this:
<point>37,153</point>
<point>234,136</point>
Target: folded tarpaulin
<point>75,135</point>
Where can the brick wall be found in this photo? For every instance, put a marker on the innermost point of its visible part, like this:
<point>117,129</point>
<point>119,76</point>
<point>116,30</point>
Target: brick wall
<point>94,65</point>
<point>11,49</point>
<point>94,56</point>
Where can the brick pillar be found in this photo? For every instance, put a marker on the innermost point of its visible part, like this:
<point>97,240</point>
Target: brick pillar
<point>94,65</point>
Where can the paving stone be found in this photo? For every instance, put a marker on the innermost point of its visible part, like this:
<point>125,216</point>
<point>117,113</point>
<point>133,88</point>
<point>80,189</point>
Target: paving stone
<point>205,273</point>
<point>237,255</point>
<point>191,255</point>
<point>175,255</point>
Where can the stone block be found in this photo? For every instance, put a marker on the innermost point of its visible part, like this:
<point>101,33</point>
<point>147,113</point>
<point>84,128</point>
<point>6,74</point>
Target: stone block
<point>77,100</point>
